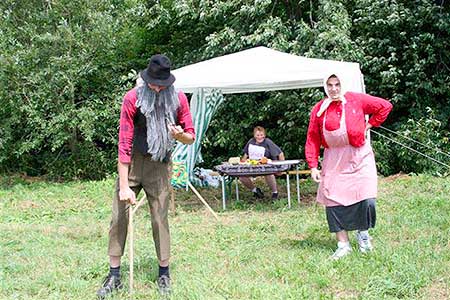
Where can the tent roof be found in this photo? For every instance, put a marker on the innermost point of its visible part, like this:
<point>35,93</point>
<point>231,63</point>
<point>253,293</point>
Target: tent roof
<point>264,69</point>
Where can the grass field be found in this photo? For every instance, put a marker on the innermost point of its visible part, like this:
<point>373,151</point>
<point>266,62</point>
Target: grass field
<point>53,241</point>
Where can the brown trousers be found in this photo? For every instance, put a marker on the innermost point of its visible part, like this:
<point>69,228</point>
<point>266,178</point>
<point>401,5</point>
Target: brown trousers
<point>153,177</point>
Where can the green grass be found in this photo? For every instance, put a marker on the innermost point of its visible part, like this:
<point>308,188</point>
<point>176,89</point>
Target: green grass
<point>53,241</point>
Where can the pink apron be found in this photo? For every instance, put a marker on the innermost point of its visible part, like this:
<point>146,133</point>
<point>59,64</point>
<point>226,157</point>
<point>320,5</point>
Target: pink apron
<point>348,174</point>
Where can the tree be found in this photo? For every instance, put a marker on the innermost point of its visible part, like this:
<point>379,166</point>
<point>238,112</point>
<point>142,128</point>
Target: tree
<point>60,78</point>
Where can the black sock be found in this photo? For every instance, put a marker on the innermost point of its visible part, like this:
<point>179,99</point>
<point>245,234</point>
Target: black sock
<point>114,271</point>
<point>164,271</point>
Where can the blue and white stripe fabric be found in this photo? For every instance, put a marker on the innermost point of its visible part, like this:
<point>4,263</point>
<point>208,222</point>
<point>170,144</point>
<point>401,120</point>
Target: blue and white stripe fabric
<point>204,104</point>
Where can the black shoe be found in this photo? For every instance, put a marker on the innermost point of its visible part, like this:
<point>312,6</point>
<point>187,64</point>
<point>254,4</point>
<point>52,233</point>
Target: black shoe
<point>110,284</point>
<point>275,195</point>
<point>164,285</point>
<point>258,193</point>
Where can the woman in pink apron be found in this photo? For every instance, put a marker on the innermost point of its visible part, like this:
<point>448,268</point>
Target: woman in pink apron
<point>348,177</point>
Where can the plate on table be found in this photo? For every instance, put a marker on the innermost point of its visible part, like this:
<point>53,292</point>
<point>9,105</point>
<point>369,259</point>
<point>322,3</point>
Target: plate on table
<point>284,162</point>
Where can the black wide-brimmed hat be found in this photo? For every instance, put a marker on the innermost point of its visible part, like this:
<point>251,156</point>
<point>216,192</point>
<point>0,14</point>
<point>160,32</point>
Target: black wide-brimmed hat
<point>158,71</point>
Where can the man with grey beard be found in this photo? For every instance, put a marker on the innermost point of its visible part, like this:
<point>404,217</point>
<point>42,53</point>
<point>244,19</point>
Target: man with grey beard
<point>153,117</point>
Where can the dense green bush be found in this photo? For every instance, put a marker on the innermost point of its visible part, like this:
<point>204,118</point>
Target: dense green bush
<point>424,135</point>
<point>406,46</point>
<point>61,69</point>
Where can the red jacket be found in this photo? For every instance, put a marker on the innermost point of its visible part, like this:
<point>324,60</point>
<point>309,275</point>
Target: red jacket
<point>358,105</point>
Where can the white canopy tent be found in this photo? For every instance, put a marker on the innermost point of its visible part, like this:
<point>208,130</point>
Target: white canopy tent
<point>263,69</point>
<point>252,70</point>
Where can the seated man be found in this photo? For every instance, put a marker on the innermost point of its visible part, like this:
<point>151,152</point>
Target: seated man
<point>256,148</point>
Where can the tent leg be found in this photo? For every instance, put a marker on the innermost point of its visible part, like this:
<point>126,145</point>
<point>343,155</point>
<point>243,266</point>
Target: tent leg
<point>288,185</point>
<point>237,189</point>
<point>298,183</point>
<point>224,206</point>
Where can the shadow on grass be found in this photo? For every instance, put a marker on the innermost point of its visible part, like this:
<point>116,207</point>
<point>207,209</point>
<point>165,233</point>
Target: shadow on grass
<point>188,201</point>
<point>9,181</point>
<point>312,241</point>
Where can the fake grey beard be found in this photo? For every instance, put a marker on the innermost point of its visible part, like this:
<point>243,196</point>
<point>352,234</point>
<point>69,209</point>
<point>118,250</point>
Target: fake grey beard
<point>156,107</point>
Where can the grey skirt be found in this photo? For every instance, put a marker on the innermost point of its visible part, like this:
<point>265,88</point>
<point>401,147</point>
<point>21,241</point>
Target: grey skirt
<point>359,216</point>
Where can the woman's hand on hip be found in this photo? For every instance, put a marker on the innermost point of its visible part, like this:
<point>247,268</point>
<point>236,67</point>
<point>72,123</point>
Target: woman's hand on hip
<point>315,175</point>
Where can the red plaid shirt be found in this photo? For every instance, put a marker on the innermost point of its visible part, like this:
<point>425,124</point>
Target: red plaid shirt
<point>127,113</point>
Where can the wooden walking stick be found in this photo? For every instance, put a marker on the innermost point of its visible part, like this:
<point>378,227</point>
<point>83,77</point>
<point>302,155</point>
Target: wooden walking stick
<point>130,244</point>
<point>131,212</point>
<point>172,199</point>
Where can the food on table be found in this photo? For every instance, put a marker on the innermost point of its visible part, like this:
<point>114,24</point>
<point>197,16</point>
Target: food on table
<point>234,160</point>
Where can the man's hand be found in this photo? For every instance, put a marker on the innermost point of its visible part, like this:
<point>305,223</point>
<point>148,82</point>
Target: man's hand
<point>175,130</point>
<point>179,134</point>
<point>315,175</point>
<point>127,194</point>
